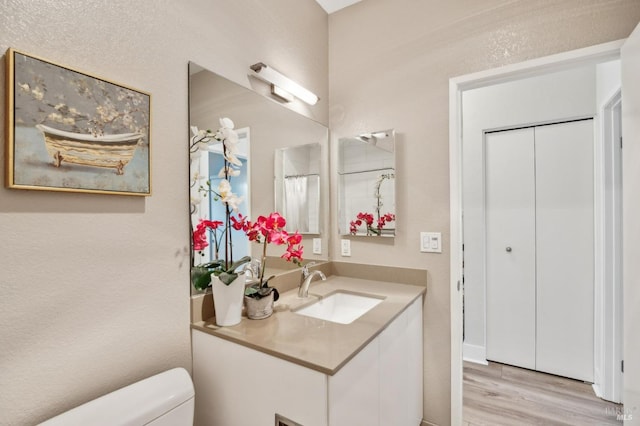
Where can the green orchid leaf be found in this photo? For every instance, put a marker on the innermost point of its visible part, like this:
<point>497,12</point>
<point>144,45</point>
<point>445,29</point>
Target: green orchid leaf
<point>239,263</point>
<point>227,277</point>
<point>265,283</point>
<point>202,282</point>
<point>265,291</point>
<point>250,291</point>
<point>259,293</point>
<point>213,264</point>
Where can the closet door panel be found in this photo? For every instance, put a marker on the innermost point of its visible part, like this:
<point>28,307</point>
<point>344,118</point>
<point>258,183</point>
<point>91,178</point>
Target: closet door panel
<point>510,247</point>
<point>565,254</point>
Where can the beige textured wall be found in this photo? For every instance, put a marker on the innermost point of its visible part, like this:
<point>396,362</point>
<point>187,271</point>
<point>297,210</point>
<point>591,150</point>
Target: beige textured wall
<point>390,64</point>
<point>95,288</point>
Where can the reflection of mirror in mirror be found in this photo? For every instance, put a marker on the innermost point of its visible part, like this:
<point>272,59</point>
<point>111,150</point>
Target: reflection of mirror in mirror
<point>366,168</point>
<point>297,187</point>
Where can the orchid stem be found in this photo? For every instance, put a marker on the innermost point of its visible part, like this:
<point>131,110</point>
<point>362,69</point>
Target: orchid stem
<point>264,256</point>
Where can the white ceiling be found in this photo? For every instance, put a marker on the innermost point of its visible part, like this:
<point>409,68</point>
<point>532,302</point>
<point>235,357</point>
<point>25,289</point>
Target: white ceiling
<point>334,5</point>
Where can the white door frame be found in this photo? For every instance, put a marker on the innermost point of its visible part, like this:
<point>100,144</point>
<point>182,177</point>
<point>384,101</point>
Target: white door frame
<point>590,55</point>
<point>608,344</point>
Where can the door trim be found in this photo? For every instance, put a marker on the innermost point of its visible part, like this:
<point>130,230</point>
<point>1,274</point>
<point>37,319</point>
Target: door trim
<point>457,85</point>
<point>608,283</point>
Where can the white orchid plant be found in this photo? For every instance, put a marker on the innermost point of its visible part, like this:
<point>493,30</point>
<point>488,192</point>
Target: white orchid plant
<point>202,141</point>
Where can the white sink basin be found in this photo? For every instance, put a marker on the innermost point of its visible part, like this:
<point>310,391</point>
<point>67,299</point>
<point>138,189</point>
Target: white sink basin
<point>341,307</point>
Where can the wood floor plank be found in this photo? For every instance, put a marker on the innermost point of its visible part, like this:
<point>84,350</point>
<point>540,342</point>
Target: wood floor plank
<point>494,369</point>
<point>499,395</point>
<point>535,378</point>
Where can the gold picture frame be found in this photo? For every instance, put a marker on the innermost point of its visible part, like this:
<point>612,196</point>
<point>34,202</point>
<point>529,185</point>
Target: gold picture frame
<point>70,131</point>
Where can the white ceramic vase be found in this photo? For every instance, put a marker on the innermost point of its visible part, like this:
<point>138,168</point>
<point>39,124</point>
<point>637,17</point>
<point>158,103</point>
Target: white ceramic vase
<point>228,300</point>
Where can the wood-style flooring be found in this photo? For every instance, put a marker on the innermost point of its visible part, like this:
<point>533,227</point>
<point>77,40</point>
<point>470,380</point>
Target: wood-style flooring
<point>498,394</point>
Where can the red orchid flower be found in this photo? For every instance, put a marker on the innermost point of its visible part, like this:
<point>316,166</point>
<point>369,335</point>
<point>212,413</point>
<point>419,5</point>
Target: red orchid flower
<point>275,221</point>
<point>240,224</point>
<point>278,237</point>
<point>200,234</point>
<point>293,254</point>
<point>294,239</point>
<point>366,217</point>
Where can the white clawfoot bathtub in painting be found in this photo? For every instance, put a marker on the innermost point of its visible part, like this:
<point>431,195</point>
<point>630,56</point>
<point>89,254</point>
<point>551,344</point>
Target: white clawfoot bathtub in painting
<point>111,151</point>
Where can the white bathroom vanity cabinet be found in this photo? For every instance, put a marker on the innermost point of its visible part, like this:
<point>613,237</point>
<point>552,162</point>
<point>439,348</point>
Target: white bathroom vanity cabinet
<point>313,372</point>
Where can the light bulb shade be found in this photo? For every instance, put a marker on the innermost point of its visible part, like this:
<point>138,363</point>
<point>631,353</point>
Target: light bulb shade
<point>281,94</point>
<point>270,75</point>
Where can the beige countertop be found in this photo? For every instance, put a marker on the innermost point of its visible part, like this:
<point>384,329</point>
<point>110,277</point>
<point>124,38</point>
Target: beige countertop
<point>317,344</point>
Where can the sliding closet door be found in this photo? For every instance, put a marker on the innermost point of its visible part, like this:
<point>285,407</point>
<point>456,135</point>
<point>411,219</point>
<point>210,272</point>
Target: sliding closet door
<point>510,247</point>
<point>564,240</point>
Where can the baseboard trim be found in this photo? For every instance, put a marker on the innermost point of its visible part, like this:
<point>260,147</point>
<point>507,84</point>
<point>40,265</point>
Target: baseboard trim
<point>596,390</point>
<point>474,353</point>
<point>426,423</point>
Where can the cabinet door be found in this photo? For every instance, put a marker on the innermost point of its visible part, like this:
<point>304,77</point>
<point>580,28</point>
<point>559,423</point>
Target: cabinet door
<point>354,390</point>
<point>382,385</point>
<point>564,241</point>
<point>415,362</point>
<point>394,373</point>
<point>510,247</point>
<point>228,393</point>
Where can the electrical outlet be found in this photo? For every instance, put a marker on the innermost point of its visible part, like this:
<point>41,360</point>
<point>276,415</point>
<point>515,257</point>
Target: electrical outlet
<point>345,247</point>
<point>317,246</point>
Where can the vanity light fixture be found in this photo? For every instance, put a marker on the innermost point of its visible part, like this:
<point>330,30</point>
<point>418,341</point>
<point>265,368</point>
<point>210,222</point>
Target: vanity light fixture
<point>281,83</point>
<point>376,135</point>
<point>372,138</point>
<point>281,94</point>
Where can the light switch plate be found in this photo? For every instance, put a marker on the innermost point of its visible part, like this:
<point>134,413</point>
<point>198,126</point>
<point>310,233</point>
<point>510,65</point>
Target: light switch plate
<point>345,247</point>
<point>431,242</point>
<point>317,246</point>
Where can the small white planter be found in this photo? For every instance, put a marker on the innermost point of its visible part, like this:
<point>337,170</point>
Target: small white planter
<point>227,300</point>
<point>259,308</point>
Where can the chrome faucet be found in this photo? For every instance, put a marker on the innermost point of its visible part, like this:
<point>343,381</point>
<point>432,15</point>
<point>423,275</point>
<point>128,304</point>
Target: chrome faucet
<point>306,278</point>
<point>252,269</point>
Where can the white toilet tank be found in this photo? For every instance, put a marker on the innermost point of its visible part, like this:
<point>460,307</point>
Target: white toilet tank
<point>166,399</point>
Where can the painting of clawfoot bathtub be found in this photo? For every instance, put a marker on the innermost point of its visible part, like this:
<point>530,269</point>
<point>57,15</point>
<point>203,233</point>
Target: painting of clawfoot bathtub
<point>70,131</point>
<point>113,151</point>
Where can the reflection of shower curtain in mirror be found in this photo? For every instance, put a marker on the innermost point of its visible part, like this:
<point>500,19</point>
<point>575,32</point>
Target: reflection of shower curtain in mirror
<point>301,203</point>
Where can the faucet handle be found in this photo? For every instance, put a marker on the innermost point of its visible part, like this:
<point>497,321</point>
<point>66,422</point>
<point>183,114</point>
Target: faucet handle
<point>247,269</point>
<point>305,269</point>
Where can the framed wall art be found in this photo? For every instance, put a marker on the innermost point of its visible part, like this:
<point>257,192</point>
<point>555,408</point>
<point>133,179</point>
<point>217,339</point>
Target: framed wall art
<point>71,131</point>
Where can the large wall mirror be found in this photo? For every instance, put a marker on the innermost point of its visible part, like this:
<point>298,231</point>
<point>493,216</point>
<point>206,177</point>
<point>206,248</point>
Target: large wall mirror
<point>265,128</point>
<point>366,184</point>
